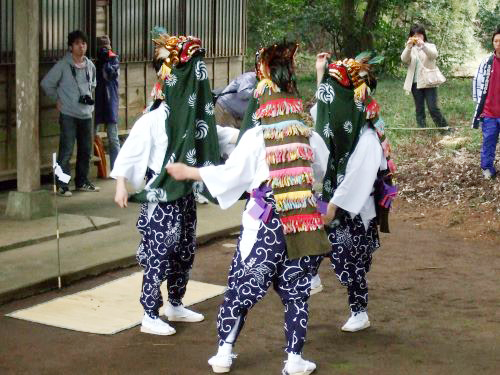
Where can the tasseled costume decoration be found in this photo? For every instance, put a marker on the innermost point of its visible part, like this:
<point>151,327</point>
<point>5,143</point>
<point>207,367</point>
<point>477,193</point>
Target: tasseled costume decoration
<point>289,152</point>
<point>302,223</point>
<point>372,108</point>
<point>157,92</point>
<point>279,131</point>
<point>279,107</point>
<point>264,84</point>
<point>294,200</point>
<point>287,177</point>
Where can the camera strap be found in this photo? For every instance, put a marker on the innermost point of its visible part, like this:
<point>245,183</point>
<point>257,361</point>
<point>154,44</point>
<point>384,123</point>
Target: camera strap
<point>87,75</point>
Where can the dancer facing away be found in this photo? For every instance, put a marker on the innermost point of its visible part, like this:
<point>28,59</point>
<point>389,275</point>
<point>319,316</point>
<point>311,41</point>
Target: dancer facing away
<point>348,120</point>
<point>179,128</point>
<point>276,160</point>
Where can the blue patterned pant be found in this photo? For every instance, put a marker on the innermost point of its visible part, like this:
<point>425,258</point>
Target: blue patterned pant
<point>351,257</point>
<point>266,265</point>
<point>166,251</point>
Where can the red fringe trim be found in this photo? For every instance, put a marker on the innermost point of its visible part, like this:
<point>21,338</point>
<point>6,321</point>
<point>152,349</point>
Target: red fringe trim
<point>302,223</point>
<point>279,107</point>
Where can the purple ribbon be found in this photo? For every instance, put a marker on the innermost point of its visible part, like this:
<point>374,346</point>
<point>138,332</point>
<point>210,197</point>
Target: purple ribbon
<point>261,210</point>
<point>321,206</point>
<point>389,193</point>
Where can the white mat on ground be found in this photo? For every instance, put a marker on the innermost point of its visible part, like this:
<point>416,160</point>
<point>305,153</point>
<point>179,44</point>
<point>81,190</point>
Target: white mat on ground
<point>108,308</point>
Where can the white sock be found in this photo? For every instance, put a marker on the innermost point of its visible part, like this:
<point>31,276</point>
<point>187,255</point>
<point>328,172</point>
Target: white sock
<point>294,357</point>
<point>225,349</point>
<point>176,309</point>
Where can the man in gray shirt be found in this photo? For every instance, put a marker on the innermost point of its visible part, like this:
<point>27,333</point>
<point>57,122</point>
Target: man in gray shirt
<point>70,82</point>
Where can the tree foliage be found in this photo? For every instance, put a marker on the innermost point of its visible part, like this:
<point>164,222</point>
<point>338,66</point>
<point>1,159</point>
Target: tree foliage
<point>487,21</point>
<point>347,27</point>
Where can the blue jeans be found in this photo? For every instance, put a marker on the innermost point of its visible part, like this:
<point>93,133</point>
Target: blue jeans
<point>113,142</point>
<point>72,128</point>
<point>491,130</point>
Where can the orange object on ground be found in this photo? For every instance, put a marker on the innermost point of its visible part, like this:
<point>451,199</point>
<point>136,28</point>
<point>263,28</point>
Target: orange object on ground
<point>102,171</point>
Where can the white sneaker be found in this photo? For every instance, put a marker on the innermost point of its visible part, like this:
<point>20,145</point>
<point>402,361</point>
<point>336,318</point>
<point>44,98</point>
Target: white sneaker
<point>316,285</point>
<point>356,322</point>
<point>200,198</point>
<point>156,326</point>
<point>300,367</point>
<point>487,174</point>
<point>221,363</point>
<point>181,314</point>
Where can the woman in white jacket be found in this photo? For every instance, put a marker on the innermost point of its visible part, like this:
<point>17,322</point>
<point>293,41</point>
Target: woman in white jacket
<point>417,54</point>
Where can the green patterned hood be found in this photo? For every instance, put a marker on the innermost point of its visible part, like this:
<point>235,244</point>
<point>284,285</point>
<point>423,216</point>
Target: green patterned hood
<point>190,128</point>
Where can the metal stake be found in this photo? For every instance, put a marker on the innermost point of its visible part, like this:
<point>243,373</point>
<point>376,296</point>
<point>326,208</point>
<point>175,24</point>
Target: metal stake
<point>57,225</point>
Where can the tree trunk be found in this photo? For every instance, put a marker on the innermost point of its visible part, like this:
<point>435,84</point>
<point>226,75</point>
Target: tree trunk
<point>348,27</point>
<point>369,21</point>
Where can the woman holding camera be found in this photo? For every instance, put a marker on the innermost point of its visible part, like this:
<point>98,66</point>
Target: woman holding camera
<point>420,55</point>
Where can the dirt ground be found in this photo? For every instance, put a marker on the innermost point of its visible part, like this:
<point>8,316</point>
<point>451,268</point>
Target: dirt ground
<point>434,308</point>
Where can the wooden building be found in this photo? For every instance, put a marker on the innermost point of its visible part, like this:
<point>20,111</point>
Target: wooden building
<point>220,24</point>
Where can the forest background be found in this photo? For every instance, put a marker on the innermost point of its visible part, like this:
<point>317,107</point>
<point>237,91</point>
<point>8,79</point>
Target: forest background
<point>459,28</point>
<point>439,177</point>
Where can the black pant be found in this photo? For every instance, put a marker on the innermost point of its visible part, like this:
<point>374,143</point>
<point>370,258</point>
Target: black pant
<point>72,128</point>
<point>428,95</point>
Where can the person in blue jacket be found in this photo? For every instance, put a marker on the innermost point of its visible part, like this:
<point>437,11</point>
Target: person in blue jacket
<point>106,94</point>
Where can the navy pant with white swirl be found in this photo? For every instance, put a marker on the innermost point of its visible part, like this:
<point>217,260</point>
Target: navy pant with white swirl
<point>351,257</point>
<point>266,265</point>
<point>166,251</point>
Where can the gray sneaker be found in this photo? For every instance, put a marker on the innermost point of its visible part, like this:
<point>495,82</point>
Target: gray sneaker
<point>89,187</point>
<point>64,192</point>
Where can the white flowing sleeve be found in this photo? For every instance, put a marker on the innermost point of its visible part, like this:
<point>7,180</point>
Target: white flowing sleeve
<point>244,170</point>
<point>361,172</point>
<point>314,112</point>
<point>132,160</point>
<point>227,139</point>
<point>321,154</point>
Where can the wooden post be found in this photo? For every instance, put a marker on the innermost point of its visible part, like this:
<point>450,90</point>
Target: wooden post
<point>28,202</point>
<point>26,26</point>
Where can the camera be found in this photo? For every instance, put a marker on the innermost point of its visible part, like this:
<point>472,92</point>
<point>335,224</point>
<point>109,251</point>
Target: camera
<point>86,99</point>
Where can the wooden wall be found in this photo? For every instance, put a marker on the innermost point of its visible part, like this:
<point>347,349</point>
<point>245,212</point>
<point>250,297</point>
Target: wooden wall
<point>136,82</point>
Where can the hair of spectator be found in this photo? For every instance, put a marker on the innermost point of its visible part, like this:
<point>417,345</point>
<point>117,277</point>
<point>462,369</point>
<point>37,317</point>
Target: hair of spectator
<point>418,29</point>
<point>497,31</point>
<point>76,35</point>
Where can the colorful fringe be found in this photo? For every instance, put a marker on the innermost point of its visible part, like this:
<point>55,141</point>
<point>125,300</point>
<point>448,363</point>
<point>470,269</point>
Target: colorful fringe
<point>157,92</point>
<point>391,165</point>
<point>302,223</point>
<point>361,91</point>
<point>164,72</point>
<point>284,129</point>
<point>379,126</point>
<point>372,108</point>
<point>288,153</point>
<point>291,176</point>
<point>386,147</point>
<point>294,200</point>
<point>263,85</point>
<point>279,107</point>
